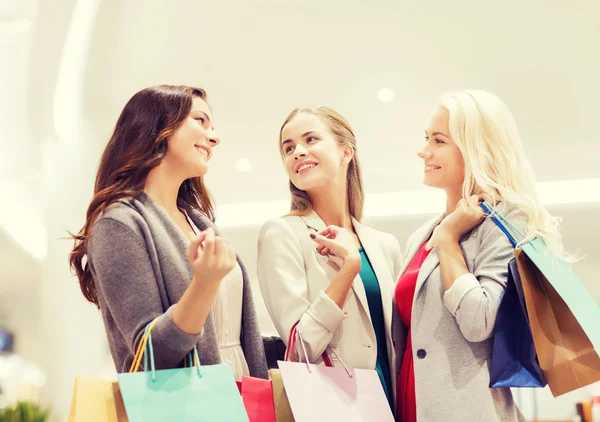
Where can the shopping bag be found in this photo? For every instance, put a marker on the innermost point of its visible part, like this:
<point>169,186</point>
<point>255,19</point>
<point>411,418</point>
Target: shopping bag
<point>283,411</point>
<point>327,393</point>
<point>563,316</point>
<point>514,360</point>
<point>195,393</point>
<point>96,400</point>
<point>257,395</point>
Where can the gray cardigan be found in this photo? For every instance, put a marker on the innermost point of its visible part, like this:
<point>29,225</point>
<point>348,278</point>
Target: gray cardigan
<point>452,331</point>
<point>137,256</point>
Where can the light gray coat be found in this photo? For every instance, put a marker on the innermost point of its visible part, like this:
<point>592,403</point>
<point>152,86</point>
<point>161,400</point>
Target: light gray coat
<point>452,331</point>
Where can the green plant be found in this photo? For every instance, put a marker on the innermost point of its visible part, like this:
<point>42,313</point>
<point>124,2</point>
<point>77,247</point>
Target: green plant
<point>24,411</point>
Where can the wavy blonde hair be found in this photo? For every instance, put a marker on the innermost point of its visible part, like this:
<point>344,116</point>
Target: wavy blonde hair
<point>484,130</point>
<point>344,135</point>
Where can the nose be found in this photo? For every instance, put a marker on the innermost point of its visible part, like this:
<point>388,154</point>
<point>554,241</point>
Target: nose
<point>425,154</point>
<point>213,138</point>
<point>299,152</point>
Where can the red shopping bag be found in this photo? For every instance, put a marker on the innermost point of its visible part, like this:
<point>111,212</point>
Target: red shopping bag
<point>257,395</point>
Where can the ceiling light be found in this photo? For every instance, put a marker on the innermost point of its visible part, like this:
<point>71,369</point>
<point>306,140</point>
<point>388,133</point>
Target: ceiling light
<point>385,95</point>
<point>243,165</point>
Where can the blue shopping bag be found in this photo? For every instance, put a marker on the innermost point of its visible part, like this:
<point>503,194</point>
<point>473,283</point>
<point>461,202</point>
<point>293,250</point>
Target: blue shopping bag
<point>514,360</point>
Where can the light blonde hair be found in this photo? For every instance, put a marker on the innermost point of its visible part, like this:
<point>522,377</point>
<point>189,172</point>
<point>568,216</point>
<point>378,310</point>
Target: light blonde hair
<point>344,135</point>
<point>484,130</point>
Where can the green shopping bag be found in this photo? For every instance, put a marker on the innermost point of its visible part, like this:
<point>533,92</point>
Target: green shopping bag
<point>195,393</point>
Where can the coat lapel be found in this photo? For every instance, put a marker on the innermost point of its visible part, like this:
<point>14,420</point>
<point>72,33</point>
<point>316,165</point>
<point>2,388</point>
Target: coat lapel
<point>314,223</point>
<point>372,246</point>
<point>180,272</point>
<point>250,336</point>
<point>432,260</point>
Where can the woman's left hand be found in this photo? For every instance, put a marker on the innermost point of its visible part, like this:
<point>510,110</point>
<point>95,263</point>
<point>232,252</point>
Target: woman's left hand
<point>467,215</point>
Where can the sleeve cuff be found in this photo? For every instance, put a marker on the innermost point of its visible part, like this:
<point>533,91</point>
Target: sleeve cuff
<point>460,288</point>
<point>170,336</point>
<point>326,313</point>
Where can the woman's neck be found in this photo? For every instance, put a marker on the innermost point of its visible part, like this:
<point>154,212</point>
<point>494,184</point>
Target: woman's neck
<point>162,189</point>
<point>332,206</point>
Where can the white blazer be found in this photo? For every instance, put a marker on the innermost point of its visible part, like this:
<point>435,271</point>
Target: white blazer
<point>293,276</point>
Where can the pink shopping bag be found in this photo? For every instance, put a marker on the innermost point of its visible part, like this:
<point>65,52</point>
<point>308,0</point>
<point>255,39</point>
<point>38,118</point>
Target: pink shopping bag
<point>325,393</point>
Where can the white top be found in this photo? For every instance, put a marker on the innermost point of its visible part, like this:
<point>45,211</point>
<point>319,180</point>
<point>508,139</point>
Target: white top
<point>227,312</point>
<point>227,315</point>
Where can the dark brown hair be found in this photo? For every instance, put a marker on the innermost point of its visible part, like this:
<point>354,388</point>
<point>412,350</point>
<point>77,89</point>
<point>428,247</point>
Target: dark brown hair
<point>137,145</point>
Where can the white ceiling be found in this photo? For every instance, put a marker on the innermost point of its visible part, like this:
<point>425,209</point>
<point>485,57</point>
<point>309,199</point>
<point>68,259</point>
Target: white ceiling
<point>260,59</point>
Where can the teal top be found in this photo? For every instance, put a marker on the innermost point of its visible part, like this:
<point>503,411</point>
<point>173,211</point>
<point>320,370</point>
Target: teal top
<point>373,291</point>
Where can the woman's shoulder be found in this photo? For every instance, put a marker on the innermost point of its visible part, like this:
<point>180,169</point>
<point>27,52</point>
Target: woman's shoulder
<point>289,224</point>
<point>124,214</point>
<point>509,215</point>
<point>122,210</point>
<point>385,238</point>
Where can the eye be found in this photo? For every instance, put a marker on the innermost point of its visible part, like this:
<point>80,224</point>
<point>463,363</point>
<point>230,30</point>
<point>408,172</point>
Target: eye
<point>311,138</point>
<point>288,149</point>
<point>439,141</point>
<point>200,119</point>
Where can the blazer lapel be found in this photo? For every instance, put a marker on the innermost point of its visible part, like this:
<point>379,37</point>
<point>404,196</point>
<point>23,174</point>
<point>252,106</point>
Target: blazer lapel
<point>430,264</point>
<point>314,223</point>
<point>372,247</point>
<point>432,260</point>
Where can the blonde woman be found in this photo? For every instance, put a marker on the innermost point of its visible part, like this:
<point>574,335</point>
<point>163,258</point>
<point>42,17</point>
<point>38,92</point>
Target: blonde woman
<point>318,266</point>
<point>455,274</point>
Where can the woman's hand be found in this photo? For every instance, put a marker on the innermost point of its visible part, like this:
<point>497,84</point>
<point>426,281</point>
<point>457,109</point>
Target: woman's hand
<point>338,242</point>
<point>467,215</point>
<point>211,257</point>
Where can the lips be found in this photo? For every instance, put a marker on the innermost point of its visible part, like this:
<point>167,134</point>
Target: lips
<point>431,167</point>
<point>305,166</point>
<point>204,151</point>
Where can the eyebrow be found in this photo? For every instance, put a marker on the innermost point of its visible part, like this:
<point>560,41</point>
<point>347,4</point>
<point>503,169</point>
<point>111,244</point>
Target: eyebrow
<point>304,135</point>
<point>438,133</point>
<point>205,115</point>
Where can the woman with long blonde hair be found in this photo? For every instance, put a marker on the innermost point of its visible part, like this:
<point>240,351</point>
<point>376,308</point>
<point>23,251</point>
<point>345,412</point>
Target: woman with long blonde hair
<point>455,272</point>
<point>319,268</point>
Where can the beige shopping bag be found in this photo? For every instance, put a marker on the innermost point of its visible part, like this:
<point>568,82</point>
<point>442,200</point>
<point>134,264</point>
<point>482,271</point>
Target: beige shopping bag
<point>96,400</point>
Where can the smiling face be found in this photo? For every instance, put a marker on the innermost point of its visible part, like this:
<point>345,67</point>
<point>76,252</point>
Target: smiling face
<point>190,147</point>
<point>443,162</point>
<point>313,157</point>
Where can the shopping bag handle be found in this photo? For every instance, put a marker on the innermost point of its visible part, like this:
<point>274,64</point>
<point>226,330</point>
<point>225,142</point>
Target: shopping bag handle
<point>137,359</point>
<point>145,348</point>
<point>502,222</point>
<point>291,350</point>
